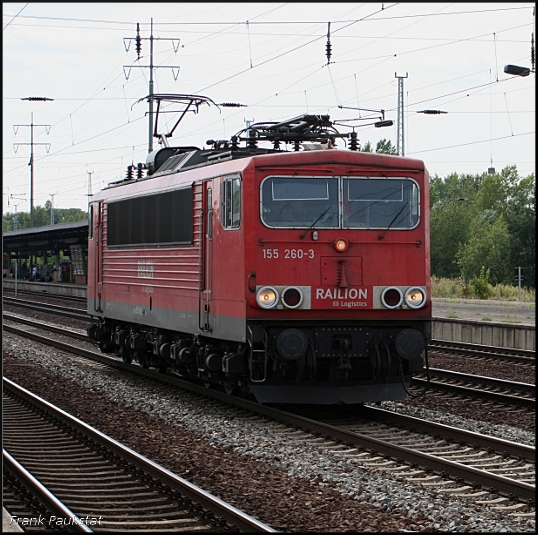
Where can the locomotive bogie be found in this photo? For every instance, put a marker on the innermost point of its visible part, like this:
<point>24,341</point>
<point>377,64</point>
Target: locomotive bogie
<point>191,355</point>
<point>293,359</point>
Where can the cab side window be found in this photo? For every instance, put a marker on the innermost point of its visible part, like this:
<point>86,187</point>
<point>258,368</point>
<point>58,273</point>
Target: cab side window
<point>230,199</point>
<point>90,222</point>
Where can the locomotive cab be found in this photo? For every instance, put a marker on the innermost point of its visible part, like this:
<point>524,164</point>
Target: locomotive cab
<point>341,304</point>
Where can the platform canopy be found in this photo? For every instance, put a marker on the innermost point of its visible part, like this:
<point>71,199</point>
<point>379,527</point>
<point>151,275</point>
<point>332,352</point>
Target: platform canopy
<point>51,237</point>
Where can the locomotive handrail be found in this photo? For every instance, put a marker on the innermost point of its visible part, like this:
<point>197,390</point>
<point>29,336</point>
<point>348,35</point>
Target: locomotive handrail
<point>263,241</point>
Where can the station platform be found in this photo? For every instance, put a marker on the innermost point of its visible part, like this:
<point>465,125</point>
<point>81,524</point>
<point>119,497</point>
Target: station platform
<point>53,288</point>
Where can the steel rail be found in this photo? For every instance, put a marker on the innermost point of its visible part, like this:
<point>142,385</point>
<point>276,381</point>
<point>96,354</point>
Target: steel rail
<point>466,391</point>
<point>503,485</point>
<point>523,356</point>
<point>75,313</point>
<point>46,293</point>
<point>46,327</point>
<point>44,495</point>
<point>500,446</point>
<point>527,388</point>
<point>220,508</point>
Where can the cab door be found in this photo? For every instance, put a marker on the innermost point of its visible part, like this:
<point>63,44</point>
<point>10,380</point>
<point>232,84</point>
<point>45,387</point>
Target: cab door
<point>95,256</point>
<point>204,319</point>
<point>222,298</point>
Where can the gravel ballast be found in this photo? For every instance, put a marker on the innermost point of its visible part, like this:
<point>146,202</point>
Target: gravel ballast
<point>290,485</point>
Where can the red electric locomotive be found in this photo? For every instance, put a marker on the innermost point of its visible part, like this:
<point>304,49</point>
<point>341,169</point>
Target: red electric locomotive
<point>297,276</point>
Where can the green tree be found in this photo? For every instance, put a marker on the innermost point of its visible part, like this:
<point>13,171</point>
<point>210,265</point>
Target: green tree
<point>452,210</point>
<point>42,217</point>
<point>508,195</point>
<point>520,214</point>
<point>384,146</point>
<point>469,212</point>
<point>450,221</point>
<point>71,215</point>
<point>455,186</point>
<point>367,147</point>
<point>487,248</point>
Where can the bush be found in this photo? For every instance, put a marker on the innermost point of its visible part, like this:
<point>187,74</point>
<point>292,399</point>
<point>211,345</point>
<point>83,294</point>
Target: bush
<point>442,287</point>
<point>457,289</point>
<point>480,285</point>
<point>505,292</point>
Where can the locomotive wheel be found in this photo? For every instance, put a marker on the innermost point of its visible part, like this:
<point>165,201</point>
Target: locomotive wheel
<point>143,363</point>
<point>126,358</point>
<point>230,390</point>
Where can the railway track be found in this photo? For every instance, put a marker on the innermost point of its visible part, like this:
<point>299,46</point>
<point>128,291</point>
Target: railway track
<point>495,390</point>
<point>46,294</point>
<point>435,444</point>
<point>487,464</point>
<point>521,356</point>
<point>57,310</point>
<point>89,480</point>
<point>486,388</point>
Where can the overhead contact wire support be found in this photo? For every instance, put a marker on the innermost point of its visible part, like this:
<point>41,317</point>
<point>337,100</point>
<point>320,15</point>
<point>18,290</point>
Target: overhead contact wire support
<point>400,131</point>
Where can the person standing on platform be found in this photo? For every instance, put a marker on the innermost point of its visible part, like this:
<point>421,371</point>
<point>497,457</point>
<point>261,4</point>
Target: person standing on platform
<point>47,272</point>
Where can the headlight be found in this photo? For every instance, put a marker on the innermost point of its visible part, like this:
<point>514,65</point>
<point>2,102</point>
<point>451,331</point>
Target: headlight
<point>392,297</point>
<point>415,297</point>
<point>267,297</point>
<point>292,297</point>
<point>341,245</point>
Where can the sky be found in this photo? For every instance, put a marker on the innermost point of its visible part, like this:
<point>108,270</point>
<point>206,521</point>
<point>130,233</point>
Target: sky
<point>272,59</point>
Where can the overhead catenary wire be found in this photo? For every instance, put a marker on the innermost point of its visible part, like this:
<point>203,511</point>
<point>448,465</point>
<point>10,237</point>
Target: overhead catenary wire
<point>472,143</point>
<point>308,92</point>
<point>187,23</point>
<point>506,102</point>
<point>23,7</point>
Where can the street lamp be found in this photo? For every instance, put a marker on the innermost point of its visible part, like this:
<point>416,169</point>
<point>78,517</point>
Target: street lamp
<point>516,70</point>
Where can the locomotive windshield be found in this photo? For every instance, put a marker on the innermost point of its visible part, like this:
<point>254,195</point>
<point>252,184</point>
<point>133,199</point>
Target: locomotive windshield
<point>340,202</point>
<point>380,203</point>
<point>299,202</point>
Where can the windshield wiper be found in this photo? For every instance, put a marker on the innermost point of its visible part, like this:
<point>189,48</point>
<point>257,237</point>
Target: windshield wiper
<point>381,236</point>
<point>312,225</point>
